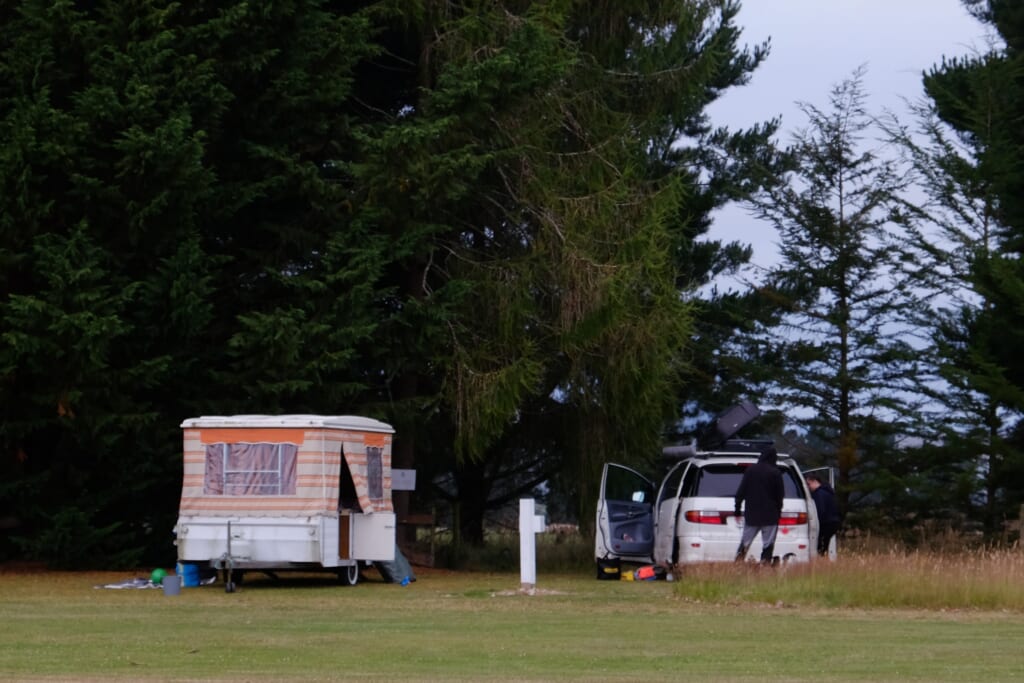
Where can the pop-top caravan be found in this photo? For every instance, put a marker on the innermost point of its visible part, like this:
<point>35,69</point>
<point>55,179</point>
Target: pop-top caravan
<point>276,492</point>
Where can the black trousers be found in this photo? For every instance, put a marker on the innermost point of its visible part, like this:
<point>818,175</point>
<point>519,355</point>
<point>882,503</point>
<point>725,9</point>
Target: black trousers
<point>825,534</point>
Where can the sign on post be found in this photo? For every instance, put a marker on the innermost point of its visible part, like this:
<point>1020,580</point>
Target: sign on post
<point>403,480</point>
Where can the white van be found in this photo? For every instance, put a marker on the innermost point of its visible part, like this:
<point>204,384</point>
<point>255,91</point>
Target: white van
<point>689,516</point>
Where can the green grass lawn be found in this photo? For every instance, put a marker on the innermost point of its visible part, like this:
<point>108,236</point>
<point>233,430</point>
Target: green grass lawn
<point>477,627</point>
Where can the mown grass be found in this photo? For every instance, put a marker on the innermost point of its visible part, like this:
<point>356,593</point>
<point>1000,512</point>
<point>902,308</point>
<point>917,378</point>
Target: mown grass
<point>716,624</point>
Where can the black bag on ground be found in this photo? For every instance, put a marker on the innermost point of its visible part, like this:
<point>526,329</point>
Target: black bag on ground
<point>609,569</point>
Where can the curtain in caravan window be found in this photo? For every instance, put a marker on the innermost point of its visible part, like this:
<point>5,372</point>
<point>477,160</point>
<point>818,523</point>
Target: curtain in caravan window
<point>250,469</point>
<point>375,472</point>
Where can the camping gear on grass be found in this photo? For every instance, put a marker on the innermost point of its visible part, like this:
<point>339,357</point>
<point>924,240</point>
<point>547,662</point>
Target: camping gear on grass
<point>397,570</point>
<point>189,573</point>
<point>172,584</point>
<point>609,568</point>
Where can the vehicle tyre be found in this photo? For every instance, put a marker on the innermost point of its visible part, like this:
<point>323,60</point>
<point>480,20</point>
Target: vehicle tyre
<point>349,576</point>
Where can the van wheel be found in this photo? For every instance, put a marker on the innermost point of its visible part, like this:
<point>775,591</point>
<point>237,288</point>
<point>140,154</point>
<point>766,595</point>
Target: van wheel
<point>349,576</point>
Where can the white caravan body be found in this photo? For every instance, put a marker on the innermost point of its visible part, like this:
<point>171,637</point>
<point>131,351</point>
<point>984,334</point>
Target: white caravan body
<point>286,492</point>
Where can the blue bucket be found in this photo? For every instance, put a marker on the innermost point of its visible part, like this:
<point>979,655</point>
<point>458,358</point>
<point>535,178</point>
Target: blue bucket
<point>189,574</point>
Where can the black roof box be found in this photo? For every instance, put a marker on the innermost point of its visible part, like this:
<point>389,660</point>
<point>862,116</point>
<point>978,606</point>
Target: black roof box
<point>728,423</point>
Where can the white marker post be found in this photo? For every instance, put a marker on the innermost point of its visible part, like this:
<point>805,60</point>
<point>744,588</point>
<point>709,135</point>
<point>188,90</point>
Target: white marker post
<point>529,524</point>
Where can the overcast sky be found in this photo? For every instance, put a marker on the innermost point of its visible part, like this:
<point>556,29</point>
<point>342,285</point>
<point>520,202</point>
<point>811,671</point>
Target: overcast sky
<point>818,43</point>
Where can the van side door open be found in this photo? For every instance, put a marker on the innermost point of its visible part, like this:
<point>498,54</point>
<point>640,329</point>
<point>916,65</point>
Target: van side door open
<point>625,515</point>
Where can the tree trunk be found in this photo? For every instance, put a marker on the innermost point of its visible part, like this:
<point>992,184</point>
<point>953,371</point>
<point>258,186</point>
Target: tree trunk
<point>473,492</point>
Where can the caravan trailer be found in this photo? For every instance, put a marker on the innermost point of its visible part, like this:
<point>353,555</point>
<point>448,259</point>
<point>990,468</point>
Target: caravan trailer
<point>286,492</point>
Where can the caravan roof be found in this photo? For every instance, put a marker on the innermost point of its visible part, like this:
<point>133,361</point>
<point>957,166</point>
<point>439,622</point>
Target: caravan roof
<point>352,422</point>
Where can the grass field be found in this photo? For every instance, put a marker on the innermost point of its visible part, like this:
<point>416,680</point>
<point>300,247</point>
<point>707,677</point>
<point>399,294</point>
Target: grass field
<point>475,626</point>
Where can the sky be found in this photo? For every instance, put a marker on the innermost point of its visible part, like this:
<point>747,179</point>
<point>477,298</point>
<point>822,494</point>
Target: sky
<point>816,44</point>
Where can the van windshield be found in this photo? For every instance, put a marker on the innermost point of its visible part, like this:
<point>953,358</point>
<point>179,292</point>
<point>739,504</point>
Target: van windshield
<point>722,480</point>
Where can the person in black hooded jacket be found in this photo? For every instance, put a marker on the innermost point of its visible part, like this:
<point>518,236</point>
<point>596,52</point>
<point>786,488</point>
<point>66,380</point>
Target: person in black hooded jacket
<point>762,490</point>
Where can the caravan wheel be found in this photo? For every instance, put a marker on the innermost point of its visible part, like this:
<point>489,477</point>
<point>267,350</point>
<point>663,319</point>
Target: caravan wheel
<point>349,576</point>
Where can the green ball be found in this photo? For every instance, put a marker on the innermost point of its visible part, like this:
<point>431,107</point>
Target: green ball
<point>158,576</point>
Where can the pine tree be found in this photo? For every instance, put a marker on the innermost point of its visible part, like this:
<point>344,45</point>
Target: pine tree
<point>841,352</point>
<point>173,241</point>
<point>533,177</point>
<point>471,219</point>
<point>971,168</point>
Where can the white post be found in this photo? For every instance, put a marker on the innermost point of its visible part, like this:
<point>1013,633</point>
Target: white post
<point>529,524</point>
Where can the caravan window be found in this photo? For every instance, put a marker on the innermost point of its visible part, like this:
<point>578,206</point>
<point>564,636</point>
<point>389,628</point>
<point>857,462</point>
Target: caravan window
<point>250,469</point>
<point>374,472</point>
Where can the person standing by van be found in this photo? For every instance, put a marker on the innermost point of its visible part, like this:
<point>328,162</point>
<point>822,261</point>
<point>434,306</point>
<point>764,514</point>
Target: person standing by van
<point>828,511</point>
<point>762,490</point>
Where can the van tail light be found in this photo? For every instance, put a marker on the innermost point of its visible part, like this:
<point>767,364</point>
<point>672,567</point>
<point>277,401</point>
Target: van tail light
<point>706,516</point>
<point>793,518</point>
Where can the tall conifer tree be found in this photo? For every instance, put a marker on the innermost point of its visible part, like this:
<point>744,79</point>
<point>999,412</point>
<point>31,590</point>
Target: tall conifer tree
<point>543,174</point>
<point>841,351</point>
<point>167,235</point>
<point>973,172</point>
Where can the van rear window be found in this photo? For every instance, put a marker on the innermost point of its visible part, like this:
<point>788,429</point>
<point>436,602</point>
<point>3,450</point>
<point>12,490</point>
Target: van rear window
<point>722,480</point>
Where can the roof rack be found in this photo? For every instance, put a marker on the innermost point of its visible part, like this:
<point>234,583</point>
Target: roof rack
<point>744,445</point>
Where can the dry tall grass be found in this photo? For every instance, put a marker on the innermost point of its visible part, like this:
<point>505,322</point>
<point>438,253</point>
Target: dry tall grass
<point>894,578</point>
<point>944,572</point>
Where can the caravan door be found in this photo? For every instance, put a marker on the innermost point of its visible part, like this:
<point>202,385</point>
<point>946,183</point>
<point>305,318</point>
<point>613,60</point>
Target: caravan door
<point>625,520</point>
